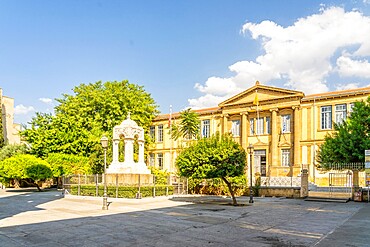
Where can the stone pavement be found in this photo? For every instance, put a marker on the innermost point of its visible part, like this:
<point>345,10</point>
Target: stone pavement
<point>49,219</point>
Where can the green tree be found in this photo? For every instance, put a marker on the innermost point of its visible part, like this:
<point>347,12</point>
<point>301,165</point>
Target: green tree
<point>24,166</point>
<point>350,139</point>
<point>2,139</point>
<point>188,127</point>
<point>68,164</point>
<point>216,157</point>
<point>83,117</point>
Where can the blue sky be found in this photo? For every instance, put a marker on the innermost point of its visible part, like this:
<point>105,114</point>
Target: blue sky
<point>185,53</point>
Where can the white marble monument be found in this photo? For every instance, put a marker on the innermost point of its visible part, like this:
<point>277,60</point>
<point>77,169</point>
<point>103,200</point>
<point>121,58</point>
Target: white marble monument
<point>128,129</point>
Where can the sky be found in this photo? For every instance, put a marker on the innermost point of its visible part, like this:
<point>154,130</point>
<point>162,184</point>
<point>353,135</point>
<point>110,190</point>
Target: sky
<point>185,53</point>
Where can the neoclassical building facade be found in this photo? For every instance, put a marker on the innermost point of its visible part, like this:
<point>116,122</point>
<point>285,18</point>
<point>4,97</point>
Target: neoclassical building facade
<point>285,127</point>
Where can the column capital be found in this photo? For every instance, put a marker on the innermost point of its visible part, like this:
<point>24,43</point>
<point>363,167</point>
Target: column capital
<point>274,109</point>
<point>244,113</point>
<point>225,115</point>
<point>296,107</point>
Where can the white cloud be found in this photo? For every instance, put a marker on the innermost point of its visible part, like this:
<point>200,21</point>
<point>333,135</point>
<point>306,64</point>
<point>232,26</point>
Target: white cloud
<point>302,55</point>
<point>346,86</point>
<point>23,110</point>
<point>349,67</point>
<point>46,100</point>
<point>205,101</point>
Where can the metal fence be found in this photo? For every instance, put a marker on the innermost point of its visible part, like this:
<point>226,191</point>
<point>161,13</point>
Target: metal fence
<point>280,181</point>
<point>358,166</point>
<point>116,183</point>
<point>285,181</point>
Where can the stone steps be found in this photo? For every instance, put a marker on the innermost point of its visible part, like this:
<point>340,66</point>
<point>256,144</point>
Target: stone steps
<point>323,199</point>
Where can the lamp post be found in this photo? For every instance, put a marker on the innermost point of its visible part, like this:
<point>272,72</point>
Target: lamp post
<point>250,151</point>
<point>104,144</point>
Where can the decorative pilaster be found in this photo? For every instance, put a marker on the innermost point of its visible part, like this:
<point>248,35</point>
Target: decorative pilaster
<point>224,123</point>
<point>244,126</point>
<point>297,136</point>
<point>274,138</point>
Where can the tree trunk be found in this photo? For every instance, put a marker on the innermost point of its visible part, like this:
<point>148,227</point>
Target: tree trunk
<point>231,190</point>
<point>16,183</point>
<point>38,187</point>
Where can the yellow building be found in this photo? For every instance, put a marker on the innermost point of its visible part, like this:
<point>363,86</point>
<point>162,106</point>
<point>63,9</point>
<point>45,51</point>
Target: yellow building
<point>284,126</point>
<point>10,129</point>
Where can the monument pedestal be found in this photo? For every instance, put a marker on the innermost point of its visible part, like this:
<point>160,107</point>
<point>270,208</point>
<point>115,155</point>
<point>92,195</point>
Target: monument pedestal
<point>128,168</point>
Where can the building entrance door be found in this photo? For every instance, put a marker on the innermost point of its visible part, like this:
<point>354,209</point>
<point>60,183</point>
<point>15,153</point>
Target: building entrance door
<point>260,162</point>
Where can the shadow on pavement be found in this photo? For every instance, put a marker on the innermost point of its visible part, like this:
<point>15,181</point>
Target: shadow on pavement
<point>206,199</point>
<point>16,201</point>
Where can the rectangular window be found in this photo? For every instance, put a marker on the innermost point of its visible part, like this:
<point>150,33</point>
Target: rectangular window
<point>326,117</point>
<point>152,133</point>
<point>235,127</point>
<point>285,123</point>
<point>350,108</point>
<point>268,125</point>
<point>160,133</point>
<point>160,160</point>
<point>251,126</point>
<point>285,157</point>
<point>340,113</point>
<point>259,126</point>
<point>206,128</point>
<point>151,159</point>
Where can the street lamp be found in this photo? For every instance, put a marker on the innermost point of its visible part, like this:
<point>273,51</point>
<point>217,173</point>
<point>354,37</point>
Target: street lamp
<point>104,144</point>
<point>250,151</point>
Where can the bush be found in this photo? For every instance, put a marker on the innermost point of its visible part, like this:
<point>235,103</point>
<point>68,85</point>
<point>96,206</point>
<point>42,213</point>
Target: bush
<point>23,167</point>
<point>161,177</point>
<point>216,186</point>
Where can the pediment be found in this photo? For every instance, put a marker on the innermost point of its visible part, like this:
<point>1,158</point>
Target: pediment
<point>265,93</point>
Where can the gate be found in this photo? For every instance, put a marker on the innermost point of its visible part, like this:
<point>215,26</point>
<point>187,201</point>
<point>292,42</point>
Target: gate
<point>180,185</point>
<point>340,185</point>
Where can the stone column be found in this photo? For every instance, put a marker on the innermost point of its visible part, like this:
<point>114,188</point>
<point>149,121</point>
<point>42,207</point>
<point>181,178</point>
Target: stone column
<point>129,150</point>
<point>297,136</point>
<point>141,151</point>
<point>115,150</point>
<point>224,123</point>
<point>274,138</point>
<point>244,126</point>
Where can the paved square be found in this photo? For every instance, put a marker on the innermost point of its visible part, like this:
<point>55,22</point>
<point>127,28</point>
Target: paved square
<point>48,219</point>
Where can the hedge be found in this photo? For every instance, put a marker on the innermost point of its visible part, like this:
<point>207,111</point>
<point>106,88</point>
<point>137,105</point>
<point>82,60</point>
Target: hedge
<point>123,191</point>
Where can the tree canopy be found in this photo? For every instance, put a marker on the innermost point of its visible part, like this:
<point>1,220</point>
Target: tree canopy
<point>68,164</point>
<point>81,119</point>
<point>216,157</point>
<point>350,139</point>
<point>12,149</point>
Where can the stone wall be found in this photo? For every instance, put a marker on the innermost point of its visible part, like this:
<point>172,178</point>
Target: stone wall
<point>292,192</point>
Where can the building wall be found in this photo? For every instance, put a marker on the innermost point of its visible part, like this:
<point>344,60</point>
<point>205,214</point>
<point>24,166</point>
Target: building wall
<point>10,129</point>
<point>284,148</point>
